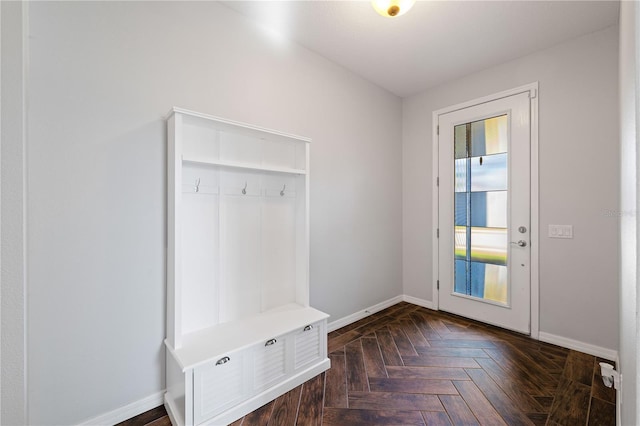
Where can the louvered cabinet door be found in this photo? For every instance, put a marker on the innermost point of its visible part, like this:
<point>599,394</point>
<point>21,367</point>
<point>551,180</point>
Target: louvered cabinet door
<point>219,385</point>
<point>309,344</point>
<point>269,362</point>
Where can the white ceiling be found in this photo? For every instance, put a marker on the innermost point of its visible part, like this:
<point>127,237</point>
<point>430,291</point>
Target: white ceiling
<point>434,42</point>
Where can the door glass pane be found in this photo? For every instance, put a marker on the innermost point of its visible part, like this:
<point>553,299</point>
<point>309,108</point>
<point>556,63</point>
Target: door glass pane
<point>489,245</point>
<point>489,173</point>
<point>460,141</point>
<point>487,209</point>
<point>489,281</point>
<point>461,242</point>
<point>488,136</point>
<point>481,206</point>
<point>461,205</point>
<point>461,281</point>
<point>461,174</point>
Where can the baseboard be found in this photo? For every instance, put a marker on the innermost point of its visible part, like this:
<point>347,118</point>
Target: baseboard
<point>334,325</point>
<point>420,302</point>
<point>124,413</point>
<point>577,345</point>
<point>172,411</point>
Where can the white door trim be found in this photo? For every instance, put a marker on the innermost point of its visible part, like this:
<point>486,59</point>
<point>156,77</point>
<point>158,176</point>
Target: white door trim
<point>532,89</point>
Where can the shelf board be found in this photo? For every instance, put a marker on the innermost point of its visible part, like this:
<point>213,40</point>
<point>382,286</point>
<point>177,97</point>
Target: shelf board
<point>245,166</point>
<point>215,342</point>
<point>225,124</point>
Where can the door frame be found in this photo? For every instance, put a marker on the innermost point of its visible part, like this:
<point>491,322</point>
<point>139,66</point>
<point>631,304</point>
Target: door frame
<point>532,90</point>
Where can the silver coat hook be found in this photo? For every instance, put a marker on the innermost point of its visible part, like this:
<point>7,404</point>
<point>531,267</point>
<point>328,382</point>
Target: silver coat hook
<point>197,187</point>
<point>244,190</point>
<point>283,188</point>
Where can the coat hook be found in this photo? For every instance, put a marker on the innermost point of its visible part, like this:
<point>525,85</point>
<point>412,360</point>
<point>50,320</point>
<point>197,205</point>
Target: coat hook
<point>283,188</point>
<point>197,187</point>
<point>244,190</point>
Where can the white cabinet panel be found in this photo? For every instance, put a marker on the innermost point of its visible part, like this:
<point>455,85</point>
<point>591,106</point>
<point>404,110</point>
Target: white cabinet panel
<point>279,154</point>
<point>239,257</point>
<point>199,139</point>
<point>219,385</point>
<point>240,148</point>
<point>278,251</point>
<point>199,265</point>
<point>308,345</point>
<point>269,363</point>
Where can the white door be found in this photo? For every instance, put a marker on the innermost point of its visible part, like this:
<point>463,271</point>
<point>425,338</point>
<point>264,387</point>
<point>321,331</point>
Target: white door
<point>484,215</point>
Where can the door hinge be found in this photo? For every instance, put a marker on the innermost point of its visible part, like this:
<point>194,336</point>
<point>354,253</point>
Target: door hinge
<point>438,129</point>
<point>437,181</point>
<point>438,285</point>
<point>437,232</point>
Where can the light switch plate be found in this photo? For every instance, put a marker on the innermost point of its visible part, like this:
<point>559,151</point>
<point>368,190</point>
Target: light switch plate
<point>560,231</point>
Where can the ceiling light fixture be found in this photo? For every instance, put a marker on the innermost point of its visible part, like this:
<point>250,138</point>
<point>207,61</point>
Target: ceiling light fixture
<point>392,8</point>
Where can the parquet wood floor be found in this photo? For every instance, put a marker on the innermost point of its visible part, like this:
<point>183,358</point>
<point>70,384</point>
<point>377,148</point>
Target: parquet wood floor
<point>408,365</point>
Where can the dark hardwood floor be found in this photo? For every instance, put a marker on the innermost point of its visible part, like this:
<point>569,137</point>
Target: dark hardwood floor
<point>408,365</point>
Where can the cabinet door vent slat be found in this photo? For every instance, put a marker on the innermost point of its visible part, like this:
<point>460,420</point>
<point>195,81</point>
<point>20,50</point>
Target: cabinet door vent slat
<point>308,353</point>
<point>307,346</point>
<point>269,364</point>
<point>213,383</point>
<point>218,387</point>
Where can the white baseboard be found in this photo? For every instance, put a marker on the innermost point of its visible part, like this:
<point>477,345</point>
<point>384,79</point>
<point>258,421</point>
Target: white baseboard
<point>171,408</point>
<point>420,302</point>
<point>124,413</point>
<point>334,325</point>
<point>577,345</point>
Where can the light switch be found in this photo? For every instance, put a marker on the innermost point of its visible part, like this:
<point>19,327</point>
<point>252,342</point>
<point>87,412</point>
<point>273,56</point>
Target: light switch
<point>560,231</point>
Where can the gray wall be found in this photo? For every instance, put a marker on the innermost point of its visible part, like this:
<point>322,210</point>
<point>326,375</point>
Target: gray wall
<point>12,190</point>
<point>630,141</point>
<point>102,75</point>
<point>578,171</point>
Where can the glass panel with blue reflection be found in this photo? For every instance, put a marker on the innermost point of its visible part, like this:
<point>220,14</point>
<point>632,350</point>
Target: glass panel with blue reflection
<point>487,209</point>
<point>488,281</point>
<point>481,206</point>
<point>489,136</point>
<point>489,173</point>
<point>461,167</point>
<point>460,285</point>
<point>461,204</point>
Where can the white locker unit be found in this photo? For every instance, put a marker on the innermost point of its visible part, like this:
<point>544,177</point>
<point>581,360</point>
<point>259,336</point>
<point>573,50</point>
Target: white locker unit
<point>240,330</point>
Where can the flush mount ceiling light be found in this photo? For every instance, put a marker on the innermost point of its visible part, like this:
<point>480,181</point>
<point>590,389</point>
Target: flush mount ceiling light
<point>392,8</point>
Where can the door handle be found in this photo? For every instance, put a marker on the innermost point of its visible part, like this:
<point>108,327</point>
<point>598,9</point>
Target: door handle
<point>520,243</point>
<point>224,360</point>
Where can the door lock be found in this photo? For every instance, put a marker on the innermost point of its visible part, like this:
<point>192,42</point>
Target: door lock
<point>522,229</point>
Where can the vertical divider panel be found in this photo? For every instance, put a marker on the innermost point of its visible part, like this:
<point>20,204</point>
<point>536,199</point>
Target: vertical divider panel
<point>278,241</point>
<point>200,249</point>
<point>174,166</point>
<point>239,246</point>
<point>302,228</point>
